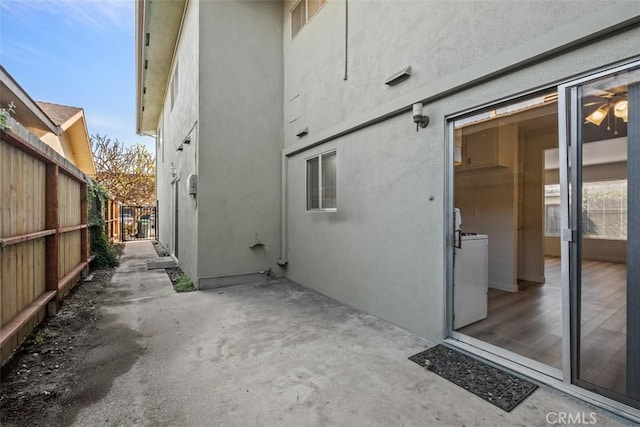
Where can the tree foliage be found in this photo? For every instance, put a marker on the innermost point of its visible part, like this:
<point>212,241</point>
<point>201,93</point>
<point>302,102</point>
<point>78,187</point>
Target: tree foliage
<point>127,172</point>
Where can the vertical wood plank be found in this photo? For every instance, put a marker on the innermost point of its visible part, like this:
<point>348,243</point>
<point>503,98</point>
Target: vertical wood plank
<point>84,216</point>
<point>3,190</point>
<point>6,190</point>
<point>30,194</point>
<point>51,221</point>
<point>12,291</point>
<point>19,280</point>
<point>2,282</point>
<point>3,208</point>
<point>9,278</point>
<point>13,204</point>
<point>19,193</point>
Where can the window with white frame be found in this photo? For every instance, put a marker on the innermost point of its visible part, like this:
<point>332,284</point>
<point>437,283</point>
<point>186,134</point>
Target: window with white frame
<point>321,182</point>
<point>302,12</point>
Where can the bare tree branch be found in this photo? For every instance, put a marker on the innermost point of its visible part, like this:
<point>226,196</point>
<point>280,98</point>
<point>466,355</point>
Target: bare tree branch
<point>128,173</point>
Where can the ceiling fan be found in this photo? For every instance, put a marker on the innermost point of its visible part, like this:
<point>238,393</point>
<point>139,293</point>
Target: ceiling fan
<point>616,101</point>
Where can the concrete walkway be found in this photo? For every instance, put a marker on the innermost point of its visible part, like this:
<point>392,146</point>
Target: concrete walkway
<point>267,354</point>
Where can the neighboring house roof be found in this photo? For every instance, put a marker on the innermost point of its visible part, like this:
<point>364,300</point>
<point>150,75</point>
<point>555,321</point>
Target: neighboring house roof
<point>61,127</point>
<point>27,112</point>
<point>74,142</point>
<point>60,114</point>
<point>158,25</point>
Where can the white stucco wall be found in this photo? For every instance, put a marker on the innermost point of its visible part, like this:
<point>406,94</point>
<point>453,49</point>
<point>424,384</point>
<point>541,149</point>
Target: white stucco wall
<point>435,38</point>
<point>240,107</point>
<point>176,124</point>
<point>384,250</point>
<point>376,252</point>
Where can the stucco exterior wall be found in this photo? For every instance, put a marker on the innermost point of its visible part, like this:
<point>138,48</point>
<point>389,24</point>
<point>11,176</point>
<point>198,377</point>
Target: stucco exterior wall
<point>384,250</point>
<point>240,107</point>
<point>435,38</point>
<point>178,121</point>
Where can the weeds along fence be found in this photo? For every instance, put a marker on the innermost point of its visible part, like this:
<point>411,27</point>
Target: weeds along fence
<point>43,232</point>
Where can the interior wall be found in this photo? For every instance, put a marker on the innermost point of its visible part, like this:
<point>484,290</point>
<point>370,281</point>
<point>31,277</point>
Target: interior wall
<point>487,201</point>
<point>531,233</point>
<point>592,249</point>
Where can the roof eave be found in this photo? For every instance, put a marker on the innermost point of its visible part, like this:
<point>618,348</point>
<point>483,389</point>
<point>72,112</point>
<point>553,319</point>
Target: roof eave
<point>21,96</point>
<point>158,26</point>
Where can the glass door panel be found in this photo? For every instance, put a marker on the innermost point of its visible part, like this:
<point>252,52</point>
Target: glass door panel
<point>605,214</point>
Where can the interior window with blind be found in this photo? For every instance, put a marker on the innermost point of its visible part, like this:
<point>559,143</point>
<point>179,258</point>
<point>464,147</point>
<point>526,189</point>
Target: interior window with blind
<point>321,182</point>
<point>604,209</point>
<point>302,12</point>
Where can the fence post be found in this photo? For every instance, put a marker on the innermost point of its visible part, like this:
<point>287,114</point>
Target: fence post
<point>51,222</point>
<point>84,220</point>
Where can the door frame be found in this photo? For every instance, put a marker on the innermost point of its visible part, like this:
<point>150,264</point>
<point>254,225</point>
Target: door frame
<point>571,229</point>
<point>558,379</point>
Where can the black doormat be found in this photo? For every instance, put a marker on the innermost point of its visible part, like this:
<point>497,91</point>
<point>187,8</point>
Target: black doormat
<point>502,389</point>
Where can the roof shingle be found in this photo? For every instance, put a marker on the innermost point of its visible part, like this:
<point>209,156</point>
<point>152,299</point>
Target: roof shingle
<point>59,114</point>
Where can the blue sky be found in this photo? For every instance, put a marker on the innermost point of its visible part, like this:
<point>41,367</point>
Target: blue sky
<point>79,53</point>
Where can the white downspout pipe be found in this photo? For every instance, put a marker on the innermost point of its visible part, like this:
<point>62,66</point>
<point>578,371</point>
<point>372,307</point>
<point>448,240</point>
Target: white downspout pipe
<point>283,260</point>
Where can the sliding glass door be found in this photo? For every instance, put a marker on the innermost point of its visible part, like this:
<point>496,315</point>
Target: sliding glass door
<point>602,232</point>
<point>547,191</point>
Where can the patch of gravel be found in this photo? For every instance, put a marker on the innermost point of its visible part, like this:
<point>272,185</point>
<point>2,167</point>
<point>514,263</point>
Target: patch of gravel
<point>174,273</point>
<point>160,250</point>
<point>39,379</point>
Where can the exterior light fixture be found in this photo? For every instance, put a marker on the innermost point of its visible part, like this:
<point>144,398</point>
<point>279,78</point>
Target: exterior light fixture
<point>420,119</point>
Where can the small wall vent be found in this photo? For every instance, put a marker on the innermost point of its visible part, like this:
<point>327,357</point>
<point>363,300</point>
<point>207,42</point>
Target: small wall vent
<point>398,77</point>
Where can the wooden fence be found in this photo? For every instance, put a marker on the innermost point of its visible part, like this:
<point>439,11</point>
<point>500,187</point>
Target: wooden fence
<point>111,215</point>
<point>43,232</point>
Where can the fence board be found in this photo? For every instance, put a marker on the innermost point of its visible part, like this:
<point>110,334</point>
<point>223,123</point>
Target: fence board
<point>9,291</point>
<point>36,197</point>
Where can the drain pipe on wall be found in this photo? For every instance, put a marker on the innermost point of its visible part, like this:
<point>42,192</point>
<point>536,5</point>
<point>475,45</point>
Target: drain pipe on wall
<point>346,37</point>
<point>283,261</point>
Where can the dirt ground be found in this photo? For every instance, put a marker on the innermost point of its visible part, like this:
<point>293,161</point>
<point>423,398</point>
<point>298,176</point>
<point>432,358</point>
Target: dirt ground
<point>38,382</point>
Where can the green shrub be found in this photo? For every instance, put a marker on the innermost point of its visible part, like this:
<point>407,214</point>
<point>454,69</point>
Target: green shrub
<point>184,284</point>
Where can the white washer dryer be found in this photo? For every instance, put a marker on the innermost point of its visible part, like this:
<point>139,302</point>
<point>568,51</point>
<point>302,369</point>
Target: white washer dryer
<point>470,279</point>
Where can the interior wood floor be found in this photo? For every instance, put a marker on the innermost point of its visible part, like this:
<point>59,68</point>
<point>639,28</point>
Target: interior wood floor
<point>529,322</point>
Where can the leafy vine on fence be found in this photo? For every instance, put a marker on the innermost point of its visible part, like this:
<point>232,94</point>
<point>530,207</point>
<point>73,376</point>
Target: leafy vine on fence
<point>101,247</point>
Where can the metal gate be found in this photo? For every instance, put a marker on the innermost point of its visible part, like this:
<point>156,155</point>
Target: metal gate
<point>138,223</point>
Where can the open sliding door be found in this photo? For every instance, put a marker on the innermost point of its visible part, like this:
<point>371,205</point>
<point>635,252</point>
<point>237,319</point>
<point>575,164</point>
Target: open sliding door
<point>601,232</point>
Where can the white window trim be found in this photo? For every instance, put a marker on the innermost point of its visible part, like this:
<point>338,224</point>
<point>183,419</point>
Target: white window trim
<point>306,185</point>
<point>307,18</point>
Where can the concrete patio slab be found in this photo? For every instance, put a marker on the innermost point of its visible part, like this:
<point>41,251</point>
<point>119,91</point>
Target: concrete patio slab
<point>269,354</point>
